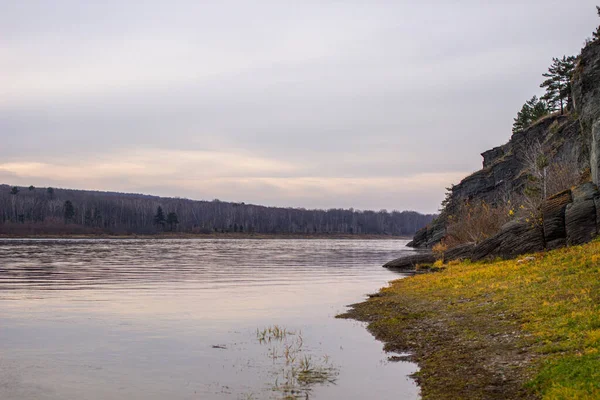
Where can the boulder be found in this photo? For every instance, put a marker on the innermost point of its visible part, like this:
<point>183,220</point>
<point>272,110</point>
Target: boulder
<point>515,238</point>
<point>459,252</point>
<point>409,263</point>
<point>553,215</point>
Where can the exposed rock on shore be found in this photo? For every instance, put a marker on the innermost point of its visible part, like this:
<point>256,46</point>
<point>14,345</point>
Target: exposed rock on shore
<point>409,263</point>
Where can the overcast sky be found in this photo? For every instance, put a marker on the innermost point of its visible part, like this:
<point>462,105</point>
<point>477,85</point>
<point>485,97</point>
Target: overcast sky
<point>365,104</point>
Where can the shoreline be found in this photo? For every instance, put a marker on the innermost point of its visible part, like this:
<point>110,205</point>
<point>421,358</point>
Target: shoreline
<point>262,236</point>
<point>513,329</point>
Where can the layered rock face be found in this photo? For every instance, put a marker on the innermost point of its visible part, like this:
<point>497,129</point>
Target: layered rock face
<point>586,99</point>
<point>553,219</point>
<point>504,168</point>
<point>569,217</point>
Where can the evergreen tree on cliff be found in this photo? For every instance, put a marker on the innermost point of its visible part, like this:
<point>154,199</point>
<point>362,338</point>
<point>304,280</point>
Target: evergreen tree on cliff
<point>531,111</point>
<point>597,33</point>
<point>558,83</point>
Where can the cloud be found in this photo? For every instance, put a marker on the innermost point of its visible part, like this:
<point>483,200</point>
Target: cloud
<point>232,176</point>
<point>371,105</point>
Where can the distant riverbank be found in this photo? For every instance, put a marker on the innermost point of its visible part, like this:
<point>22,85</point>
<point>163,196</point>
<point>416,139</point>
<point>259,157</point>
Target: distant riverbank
<point>516,329</point>
<point>176,235</point>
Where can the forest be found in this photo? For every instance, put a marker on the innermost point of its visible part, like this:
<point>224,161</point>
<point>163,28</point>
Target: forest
<point>31,211</point>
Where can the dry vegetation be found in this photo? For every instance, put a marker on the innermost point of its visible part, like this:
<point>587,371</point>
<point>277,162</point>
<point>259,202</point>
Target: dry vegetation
<point>474,222</point>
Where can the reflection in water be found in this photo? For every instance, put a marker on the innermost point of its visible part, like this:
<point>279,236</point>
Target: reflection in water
<point>147,319</point>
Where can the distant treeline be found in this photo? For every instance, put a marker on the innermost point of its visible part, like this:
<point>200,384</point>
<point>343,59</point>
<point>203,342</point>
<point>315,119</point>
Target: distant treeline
<point>30,210</point>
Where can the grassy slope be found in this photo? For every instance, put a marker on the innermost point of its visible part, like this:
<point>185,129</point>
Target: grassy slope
<point>500,329</point>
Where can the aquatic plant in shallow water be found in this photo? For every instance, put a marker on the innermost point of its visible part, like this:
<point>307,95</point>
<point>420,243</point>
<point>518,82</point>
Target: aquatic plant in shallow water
<point>295,369</point>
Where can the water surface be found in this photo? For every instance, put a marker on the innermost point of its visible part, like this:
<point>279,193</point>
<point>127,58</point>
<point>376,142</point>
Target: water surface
<point>156,319</point>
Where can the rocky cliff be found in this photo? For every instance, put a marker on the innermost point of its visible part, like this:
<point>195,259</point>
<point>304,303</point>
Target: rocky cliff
<point>586,99</point>
<point>570,217</point>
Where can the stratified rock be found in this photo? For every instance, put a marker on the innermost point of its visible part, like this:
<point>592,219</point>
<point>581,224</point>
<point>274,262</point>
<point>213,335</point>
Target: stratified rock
<point>514,238</point>
<point>460,252</point>
<point>553,215</point>
<point>409,263</point>
<point>583,192</point>
<point>581,222</point>
<point>435,234</point>
<point>505,168</point>
<point>556,244</point>
<point>430,235</point>
<point>420,239</point>
<point>580,216</point>
<point>491,156</point>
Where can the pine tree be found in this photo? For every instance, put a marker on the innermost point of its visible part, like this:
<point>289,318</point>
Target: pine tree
<point>531,111</point>
<point>159,218</point>
<point>558,83</point>
<point>172,219</point>
<point>69,211</point>
<point>596,34</point>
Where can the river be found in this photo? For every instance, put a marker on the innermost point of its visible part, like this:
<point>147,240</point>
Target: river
<point>193,319</point>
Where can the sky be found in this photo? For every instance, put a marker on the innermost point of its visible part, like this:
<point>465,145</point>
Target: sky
<point>315,104</point>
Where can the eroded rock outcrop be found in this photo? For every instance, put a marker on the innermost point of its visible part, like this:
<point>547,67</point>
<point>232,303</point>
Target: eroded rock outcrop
<point>553,219</point>
<point>516,237</point>
<point>460,252</point>
<point>409,263</point>
<point>428,236</point>
<point>504,169</point>
<point>569,217</point>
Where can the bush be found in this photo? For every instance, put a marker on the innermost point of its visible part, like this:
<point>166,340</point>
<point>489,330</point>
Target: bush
<point>474,222</point>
